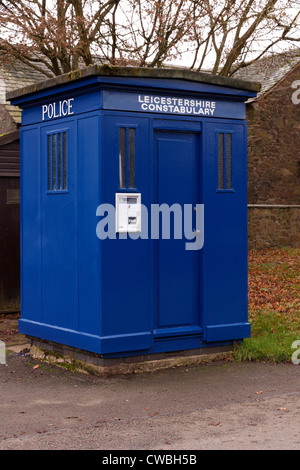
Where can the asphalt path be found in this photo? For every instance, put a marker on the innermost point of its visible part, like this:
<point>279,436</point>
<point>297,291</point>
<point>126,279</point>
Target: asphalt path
<point>213,406</point>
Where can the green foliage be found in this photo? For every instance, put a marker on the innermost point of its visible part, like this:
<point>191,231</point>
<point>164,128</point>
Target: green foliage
<point>274,306</point>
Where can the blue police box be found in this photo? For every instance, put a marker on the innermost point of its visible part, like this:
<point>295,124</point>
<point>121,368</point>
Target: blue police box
<point>134,210</point>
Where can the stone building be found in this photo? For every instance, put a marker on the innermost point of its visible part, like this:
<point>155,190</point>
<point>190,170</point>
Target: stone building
<point>274,152</point>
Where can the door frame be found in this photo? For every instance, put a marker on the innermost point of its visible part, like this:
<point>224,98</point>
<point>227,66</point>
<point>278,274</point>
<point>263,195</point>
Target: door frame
<point>176,126</point>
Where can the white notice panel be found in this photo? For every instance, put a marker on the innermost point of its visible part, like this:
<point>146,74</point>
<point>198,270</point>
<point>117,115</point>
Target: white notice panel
<point>128,212</point>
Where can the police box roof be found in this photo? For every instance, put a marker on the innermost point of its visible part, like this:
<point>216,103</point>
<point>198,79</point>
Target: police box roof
<point>136,72</point>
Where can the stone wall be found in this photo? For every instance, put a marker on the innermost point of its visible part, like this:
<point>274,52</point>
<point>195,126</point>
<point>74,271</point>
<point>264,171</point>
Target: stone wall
<point>273,226</point>
<point>274,167</point>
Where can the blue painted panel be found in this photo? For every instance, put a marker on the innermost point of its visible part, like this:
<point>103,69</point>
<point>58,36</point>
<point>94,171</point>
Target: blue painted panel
<point>224,255</point>
<point>59,228</point>
<point>126,342</point>
<point>177,160</point>
<point>61,107</point>
<point>60,334</point>
<point>172,104</point>
<point>228,331</point>
<point>89,248</point>
<point>126,263</point>
<point>30,224</point>
<point>121,296</point>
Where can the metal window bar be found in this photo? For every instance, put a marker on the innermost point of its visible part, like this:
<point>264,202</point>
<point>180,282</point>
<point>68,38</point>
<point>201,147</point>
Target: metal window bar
<point>49,162</point>
<point>224,160</point>
<point>64,156</point>
<point>220,160</point>
<point>54,161</point>
<point>131,158</point>
<point>127,157</point>
<point>122,157</point>
<point>57,162</point>
<point>228,161</point>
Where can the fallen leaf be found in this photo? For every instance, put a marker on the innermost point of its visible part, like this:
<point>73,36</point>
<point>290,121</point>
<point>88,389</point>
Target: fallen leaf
<point>258,393</point>
<point>214,423</point>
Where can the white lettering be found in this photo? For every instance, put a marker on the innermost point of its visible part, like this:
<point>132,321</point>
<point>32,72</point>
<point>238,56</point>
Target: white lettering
<point>170,459</point>
<point>119,460</point>
<point>70,106</point>
<point>64,106</point>
<point>50,111</point>
<point>56,115</point>
<point>58,109</point>
<point>170,104</point>
<point>44,110</point>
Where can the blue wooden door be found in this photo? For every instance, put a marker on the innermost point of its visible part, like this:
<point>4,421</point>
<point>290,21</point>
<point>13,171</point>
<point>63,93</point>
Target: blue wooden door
<point>177,269</point>
<point>59,263</point>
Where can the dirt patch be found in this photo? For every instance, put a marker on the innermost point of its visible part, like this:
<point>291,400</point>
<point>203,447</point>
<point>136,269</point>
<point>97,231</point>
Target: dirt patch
<point>9,332</point>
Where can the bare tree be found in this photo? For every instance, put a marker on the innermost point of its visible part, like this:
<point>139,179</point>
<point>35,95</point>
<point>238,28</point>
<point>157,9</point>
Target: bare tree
<point>52,36</point>
<point>58,36</point>
<point>155,31</point>
<point>241,31</point>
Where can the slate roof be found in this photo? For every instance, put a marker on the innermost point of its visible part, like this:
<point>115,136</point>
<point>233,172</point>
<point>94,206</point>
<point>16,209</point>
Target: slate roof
<point>12,77</point>
<point>270,70</point>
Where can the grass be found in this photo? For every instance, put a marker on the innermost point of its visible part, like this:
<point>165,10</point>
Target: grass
<point>274,305</point>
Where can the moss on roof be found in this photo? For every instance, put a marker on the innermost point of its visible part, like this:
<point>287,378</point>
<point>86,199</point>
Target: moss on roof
<point>141,72</point>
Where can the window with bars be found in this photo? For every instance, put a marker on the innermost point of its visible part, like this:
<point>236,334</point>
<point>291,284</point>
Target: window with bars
<point>57,162</point>
<point>224,161</point>
<point>127,157</point>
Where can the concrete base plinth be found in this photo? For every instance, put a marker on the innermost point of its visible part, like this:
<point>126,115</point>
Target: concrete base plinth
<point>84,361</point>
